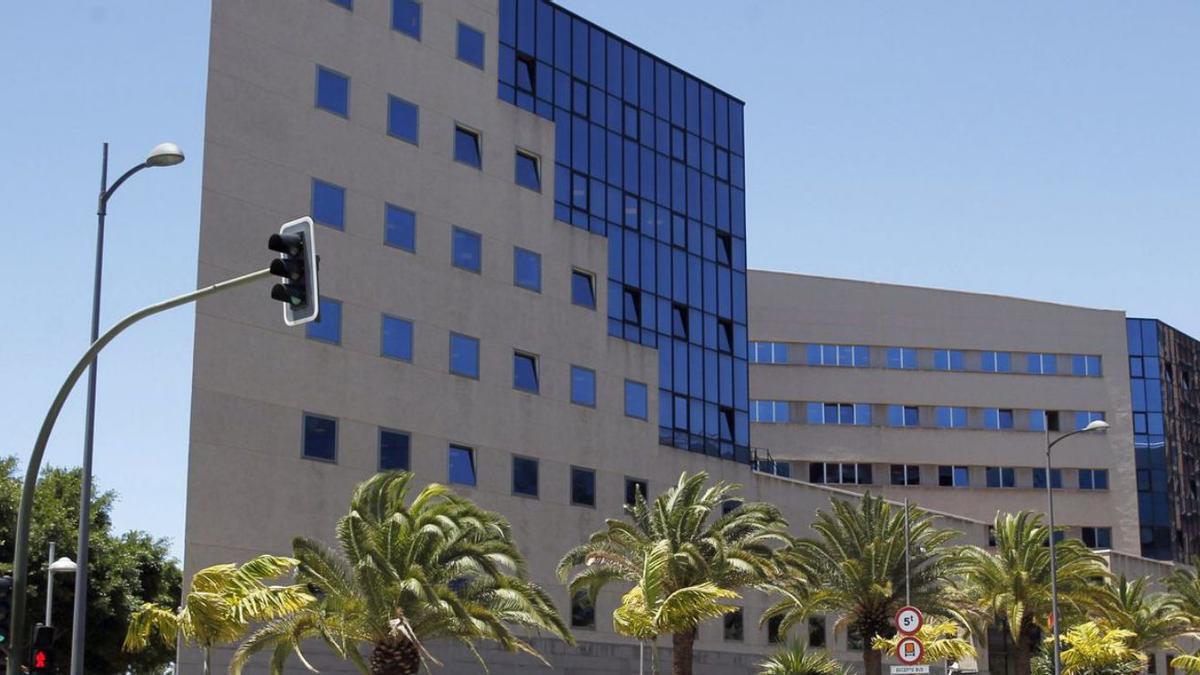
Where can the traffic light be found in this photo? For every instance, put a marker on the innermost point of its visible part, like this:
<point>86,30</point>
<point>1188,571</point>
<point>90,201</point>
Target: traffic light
<point>41,656</point>
<point>5,609</point>
<point>297,264</point>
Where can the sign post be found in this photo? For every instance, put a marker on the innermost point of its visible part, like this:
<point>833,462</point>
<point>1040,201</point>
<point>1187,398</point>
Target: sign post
<point>910,650</point>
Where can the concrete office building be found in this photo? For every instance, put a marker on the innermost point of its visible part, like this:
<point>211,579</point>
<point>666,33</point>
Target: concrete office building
<point>533,275</point>
<point>942,396</point>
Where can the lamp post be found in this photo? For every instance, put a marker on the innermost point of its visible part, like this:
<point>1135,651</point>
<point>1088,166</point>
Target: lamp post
<point>1094,425</point>
<point>63,564</point>
<point>163,154</point>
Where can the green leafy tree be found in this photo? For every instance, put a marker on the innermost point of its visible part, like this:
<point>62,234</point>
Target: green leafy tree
<point>727,551</point>
<point>854,567</point>
<point>1154,619</point>
<point>437,567</point>
<point>125,570</point>
<point>1183,585</point>
<point>943,641</point>
<point>223,602</point>
<point>1091,649</point>
<point>1014,582</point>
<point>794,659</point>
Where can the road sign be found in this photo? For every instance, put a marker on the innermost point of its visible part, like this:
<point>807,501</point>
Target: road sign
<point>910,670</point>
<point>910,650</point>
<point>909,620</point>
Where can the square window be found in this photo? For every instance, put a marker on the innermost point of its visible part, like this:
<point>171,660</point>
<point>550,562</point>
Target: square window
<point>1000,477</point>
<point>333,91</point>
<point>393,450</point>
<point>467,147</point>
<point>1039,478</point>
<point>464,355</point>
<point>320,438</point>
<point>633,488</point>
<point>583,486</point>
<point>528,171</point>
<point>466,250</point>
<point>470,45</point>
<point>525,476</point>
<point>525,375</point>
<point>328,326</point>
<point>583,611</point>
<point>583,386</point>
<point>406,17</point>
<point>462,465</point>
<point>527,269</point>
<point>328,204</point>
<point>636,400</point>
<point>396,341</point>
<point>400,228</point>
<point>953,476</point>
<point>403,119</point>
<point>734,626</point>
<point>583,289</point>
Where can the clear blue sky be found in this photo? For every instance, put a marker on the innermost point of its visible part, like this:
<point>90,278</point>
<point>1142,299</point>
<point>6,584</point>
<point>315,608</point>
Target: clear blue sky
<point>1045,150</point>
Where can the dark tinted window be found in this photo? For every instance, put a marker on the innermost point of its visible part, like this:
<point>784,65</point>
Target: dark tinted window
<point>816,631</point>
<point>1039,478</point>
<point>320,438</point>
<point>403,119</point>
<point>634,487</point>
<point>333,91</point>
<point>734,626</point>
<point>393,451</point>
<point>466,147</point>
<point>583,611</point>
<point>583,289</point>
<point>773,624</point>
<point>462,465</point>
<point>466,250</point>
<point>400,228</point>
<point>470,45</point>
<point>406,17</point>
<point>528,172</point>
<point>396,341</point>
<point>328,205</point>
<point>464,355</point>
<point>583,386</point>
<point>328,326</point>
<point>525,476</point>
<point>527,270</point>
<point>525,375</point>
<point>583,486</point>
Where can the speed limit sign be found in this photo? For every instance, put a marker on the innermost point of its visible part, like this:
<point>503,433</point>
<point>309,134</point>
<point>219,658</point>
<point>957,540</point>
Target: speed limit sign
<point>910,650</point>
<point>909,620</point>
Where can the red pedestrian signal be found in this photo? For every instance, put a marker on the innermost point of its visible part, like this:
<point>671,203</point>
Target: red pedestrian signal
<point>40,659</point>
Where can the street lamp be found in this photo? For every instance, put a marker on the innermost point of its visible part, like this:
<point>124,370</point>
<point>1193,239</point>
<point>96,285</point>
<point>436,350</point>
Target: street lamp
<point>163,154</point>
<point>1094,425</point>
<point>63,564</point>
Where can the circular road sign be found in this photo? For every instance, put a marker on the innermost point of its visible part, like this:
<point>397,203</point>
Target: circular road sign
<point>910,650</point>
<point>909,620</point>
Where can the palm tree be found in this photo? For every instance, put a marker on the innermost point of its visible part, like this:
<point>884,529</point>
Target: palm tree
<point>1184,586</point>
<point>1154,619</point>
<point>857,559</point>
<point>1090,649</point>
<point>649,609</point>
<point>729,551</point>
<point>222,602</point>
<point>943,641</point>
<point>794,659</point>
<point>1014,582</point>
<point>438,567</point>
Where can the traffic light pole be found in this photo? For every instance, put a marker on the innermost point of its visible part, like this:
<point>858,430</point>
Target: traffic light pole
<point>20,573</point>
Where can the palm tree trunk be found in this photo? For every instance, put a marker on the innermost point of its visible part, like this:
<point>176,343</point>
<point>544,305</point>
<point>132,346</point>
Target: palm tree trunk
<point>681,654</point>
<point>1025,645</point>
<point>654,656</point>
<point>872,661</point>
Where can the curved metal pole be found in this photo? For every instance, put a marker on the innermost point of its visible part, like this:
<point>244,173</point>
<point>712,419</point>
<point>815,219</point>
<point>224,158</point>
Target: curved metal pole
<point>79,614</point>
<point>20,573</point>
<point>1053,557</point>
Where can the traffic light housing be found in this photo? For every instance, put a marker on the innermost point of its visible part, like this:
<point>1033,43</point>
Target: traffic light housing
<point>5,610</point>
<point>297,264</point>
<point>41,655</point>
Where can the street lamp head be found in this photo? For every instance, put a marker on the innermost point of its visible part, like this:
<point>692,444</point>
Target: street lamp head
<point>1096,425</point>
<point>63,564</point>
<point>165,154</point>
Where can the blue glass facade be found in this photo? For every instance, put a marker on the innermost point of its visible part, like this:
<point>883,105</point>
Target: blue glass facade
<point>653,159</point>
<point>1150,441</point>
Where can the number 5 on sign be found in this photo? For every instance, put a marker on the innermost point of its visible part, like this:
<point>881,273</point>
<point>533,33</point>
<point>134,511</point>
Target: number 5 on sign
<point>909,620</point>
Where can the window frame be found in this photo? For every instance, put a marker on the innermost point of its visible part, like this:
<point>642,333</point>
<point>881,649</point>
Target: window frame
<point>383,321</point>
<point>470,450</point>
<point>416,137</point>
<point>537,477</point>
<point>407,450</point>
<point>312,203</point>
<point>478,357</point>
<point>530,255</point>
<point>645,389</point>
<point>472,235</point>
<point>582,470</point>
<point>537,379</point>
<point>520,154</point>
<point>580,273</point>
<point>458,45</point>
<point>460,128</point>
<point>585,603</point>
<point>420,18</point>
<point>954,473</point>
<point>642,482</point>
<point>388,209</point>
<point>317,91</point>
<point>309,327</point>
<point>594,396</point>
<point>905,470</point>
